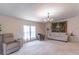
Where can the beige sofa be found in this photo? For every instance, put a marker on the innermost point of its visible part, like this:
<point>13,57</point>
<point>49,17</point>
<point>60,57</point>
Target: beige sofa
<point>10,44</point>
<point>58,36</point>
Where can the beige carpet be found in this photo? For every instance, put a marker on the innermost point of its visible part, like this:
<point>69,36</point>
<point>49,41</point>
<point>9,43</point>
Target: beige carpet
<point>48,47</point>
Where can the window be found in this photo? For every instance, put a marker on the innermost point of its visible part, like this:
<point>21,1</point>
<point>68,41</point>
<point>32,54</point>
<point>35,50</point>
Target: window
<point>29,32</point>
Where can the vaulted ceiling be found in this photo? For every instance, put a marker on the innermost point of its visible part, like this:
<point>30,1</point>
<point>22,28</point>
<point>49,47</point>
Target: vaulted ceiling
<point>39,11</point>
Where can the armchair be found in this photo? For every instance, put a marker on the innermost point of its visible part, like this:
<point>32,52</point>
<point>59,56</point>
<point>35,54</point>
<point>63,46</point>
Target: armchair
<point>10,44</point>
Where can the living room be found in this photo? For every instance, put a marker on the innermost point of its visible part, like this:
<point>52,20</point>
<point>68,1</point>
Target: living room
<point>57,24</point>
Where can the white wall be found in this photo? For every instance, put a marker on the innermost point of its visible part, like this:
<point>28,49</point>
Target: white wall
<point>72,26</point>
<point>15,26</point>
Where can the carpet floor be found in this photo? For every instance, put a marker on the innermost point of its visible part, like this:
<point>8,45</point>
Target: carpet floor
<point>49,47</point>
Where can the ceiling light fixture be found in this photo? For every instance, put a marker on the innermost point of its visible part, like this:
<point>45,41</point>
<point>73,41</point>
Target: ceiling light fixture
<point>48,19</point>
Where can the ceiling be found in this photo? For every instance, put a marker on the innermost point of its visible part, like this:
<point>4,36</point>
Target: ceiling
<point>39,11</point>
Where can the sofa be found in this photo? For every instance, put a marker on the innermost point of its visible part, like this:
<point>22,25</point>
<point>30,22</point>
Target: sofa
<point>58,36</point>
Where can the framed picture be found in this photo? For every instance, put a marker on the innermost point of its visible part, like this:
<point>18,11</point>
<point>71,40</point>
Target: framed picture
<point>59,27</point>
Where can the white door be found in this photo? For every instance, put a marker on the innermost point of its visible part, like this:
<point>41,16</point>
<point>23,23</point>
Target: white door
<point>26,32</point>
<point>29,32</point>
<point>33,32</point>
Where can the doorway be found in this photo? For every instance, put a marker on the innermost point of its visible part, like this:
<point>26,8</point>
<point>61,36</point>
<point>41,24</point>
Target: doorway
<point>29,32</point>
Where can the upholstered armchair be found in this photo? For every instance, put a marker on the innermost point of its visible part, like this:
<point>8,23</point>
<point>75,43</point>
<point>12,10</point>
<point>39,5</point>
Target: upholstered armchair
<point>10,44</point>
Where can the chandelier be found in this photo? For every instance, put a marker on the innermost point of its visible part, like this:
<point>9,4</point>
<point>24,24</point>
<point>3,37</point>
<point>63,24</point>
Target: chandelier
<point>48,18</point>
